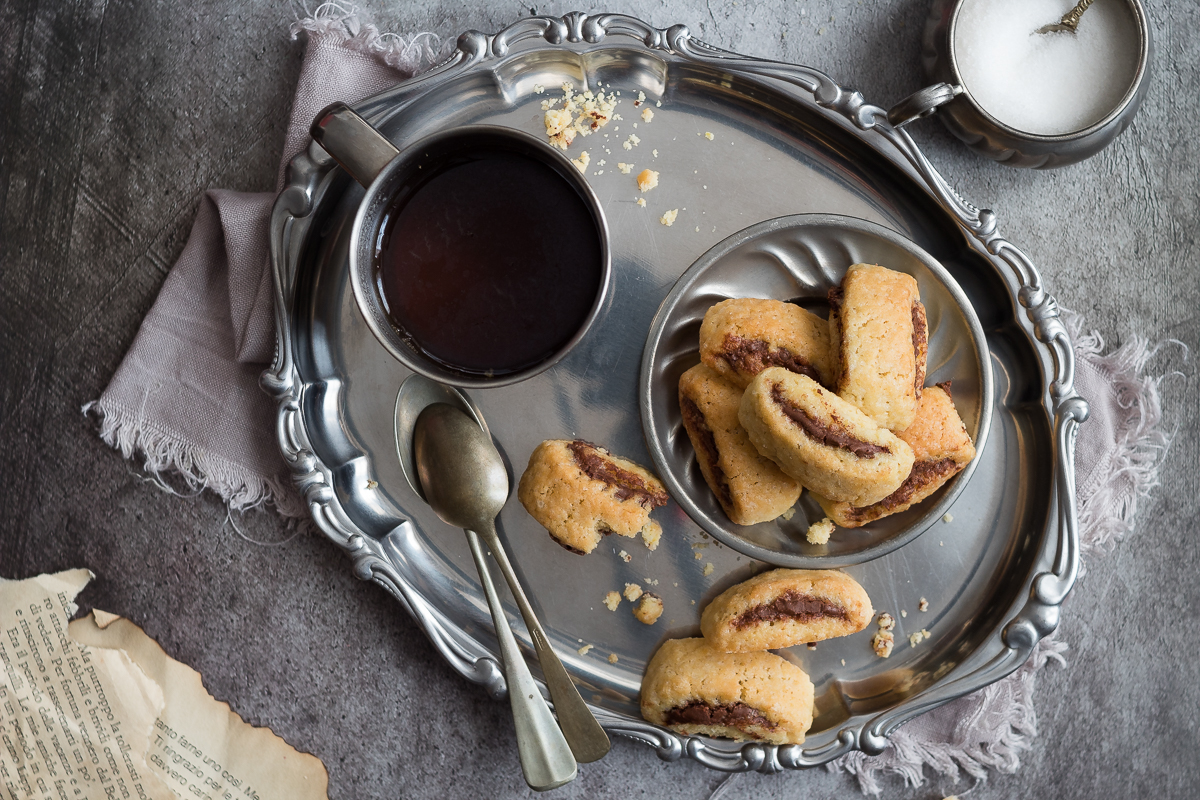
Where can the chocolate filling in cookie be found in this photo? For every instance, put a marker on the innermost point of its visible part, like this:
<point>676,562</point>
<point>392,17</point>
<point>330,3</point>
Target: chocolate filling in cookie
<point>920,345</point>
<point>628,484</point>
<point>836,296</point>
<point>923,472</point>
<point>693,420</point>
<point>791,605</point>
<point>752,356</point>
<point>733,715</point>
<point>821,432</point>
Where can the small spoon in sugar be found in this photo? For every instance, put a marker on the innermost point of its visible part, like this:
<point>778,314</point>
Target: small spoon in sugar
<point>1070,20</point>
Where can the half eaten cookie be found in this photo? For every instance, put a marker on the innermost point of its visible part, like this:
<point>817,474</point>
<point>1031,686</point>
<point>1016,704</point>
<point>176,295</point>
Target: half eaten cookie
<point>579,492</point>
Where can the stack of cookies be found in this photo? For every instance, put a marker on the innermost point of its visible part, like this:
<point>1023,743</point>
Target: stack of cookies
<point>784,400</point>
<point>726,684</point>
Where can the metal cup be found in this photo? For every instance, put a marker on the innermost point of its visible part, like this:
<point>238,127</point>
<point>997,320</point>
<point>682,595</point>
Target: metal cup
<point>385,171</point>
<point>951,98</point>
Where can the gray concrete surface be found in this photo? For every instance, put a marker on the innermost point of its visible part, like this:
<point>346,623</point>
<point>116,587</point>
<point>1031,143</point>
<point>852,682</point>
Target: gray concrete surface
<point>115,117</point>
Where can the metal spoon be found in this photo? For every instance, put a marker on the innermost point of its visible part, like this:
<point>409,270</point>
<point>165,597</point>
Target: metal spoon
<point>1070,20</point>
<point>465,483</point>
<point>588,740</point>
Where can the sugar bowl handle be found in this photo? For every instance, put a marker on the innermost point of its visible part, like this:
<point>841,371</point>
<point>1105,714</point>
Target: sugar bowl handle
<point>360,149</point>
<point>922,104</point>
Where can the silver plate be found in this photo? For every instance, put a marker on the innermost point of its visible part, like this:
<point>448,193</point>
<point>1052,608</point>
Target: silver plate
<point>798,259</point>
<point>786,140</point>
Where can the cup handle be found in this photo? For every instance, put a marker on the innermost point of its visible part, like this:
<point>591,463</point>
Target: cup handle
<point>922,104</point>
<point>360,149</point>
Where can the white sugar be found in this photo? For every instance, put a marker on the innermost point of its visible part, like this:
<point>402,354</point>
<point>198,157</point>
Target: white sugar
<point>1048,84</point>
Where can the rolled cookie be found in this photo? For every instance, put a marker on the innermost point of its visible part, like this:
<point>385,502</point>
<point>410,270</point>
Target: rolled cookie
<point>821,440</point>
<point>749,486</point>
<point>785,607</point>
<point>579,491</point>
<point>878,343</point>
<point>695,690</point>
<point>742,337</point>
<point>941,448</point>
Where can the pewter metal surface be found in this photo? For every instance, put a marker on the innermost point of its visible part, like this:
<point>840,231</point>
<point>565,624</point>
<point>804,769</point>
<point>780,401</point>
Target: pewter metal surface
<point>799,258</point>
<point>120,118</point>
<point>785,140</point>
<point>991,137</point>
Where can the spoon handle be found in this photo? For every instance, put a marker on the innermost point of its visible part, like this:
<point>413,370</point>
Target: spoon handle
<point>588,740</point>
<point>546,758</point>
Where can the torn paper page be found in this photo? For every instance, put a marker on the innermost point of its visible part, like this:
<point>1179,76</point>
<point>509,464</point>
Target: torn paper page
<point>77,721</point>
<point>200,748</point>
<point>96,710</point>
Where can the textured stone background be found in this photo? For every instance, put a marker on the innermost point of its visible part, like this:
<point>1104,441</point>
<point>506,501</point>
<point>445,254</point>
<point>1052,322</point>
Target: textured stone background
<point>116,116</point>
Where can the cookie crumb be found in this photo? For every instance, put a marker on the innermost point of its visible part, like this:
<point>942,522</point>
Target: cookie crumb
<point>903,613</point>
<point>699,556</point>
<point>647,114</point>
<point>648,609</point>
<point>625,168</point>
<point>708,569</point>
<point>668,218</point>
<point>612,658</point>
<point>923,605</point>
<point>708,136</point>
<point>625,556</point>
<point>654,153</point>
<point>641,201</point>
<point>843,662</point>
<point>918,637</point>
<point>886,621</point>
<point>651,581</point>
<point>632,592</point>
<point>811,645</point>
<point>612,600</point>
<point>647,179</point>
<point>651,534</point>
<point>787,515</point>
<point>947,517</point>
<point>583,651</point>
<point>582,162</point>
<point>538,88</point>
<point>818,532</point>
<point>658,103</point>
<point>882,643</point>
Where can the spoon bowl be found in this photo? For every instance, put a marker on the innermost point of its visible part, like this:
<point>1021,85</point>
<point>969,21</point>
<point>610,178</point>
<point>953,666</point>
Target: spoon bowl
<point>416,393</point>
<point>458,467</point>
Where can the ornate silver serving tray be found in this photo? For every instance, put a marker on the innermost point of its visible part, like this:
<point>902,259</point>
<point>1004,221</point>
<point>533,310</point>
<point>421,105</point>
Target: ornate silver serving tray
<point>785,140</point>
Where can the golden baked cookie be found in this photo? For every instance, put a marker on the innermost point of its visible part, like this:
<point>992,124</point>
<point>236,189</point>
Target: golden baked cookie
<point>821,440</point>
<point>579,492</point>
<point>696,690</point>
<point>878,343</point>
<point>785,607</point>
<point>941,448</point>
<point>742,337</point>
<point>749,486</point>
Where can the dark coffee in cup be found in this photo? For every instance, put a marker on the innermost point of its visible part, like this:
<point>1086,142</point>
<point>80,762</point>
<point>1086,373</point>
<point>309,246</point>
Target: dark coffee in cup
<point>479,255</point>
<point>490,264</point>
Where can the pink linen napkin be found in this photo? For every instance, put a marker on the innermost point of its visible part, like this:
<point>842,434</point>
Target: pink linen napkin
<point>186,399</point>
